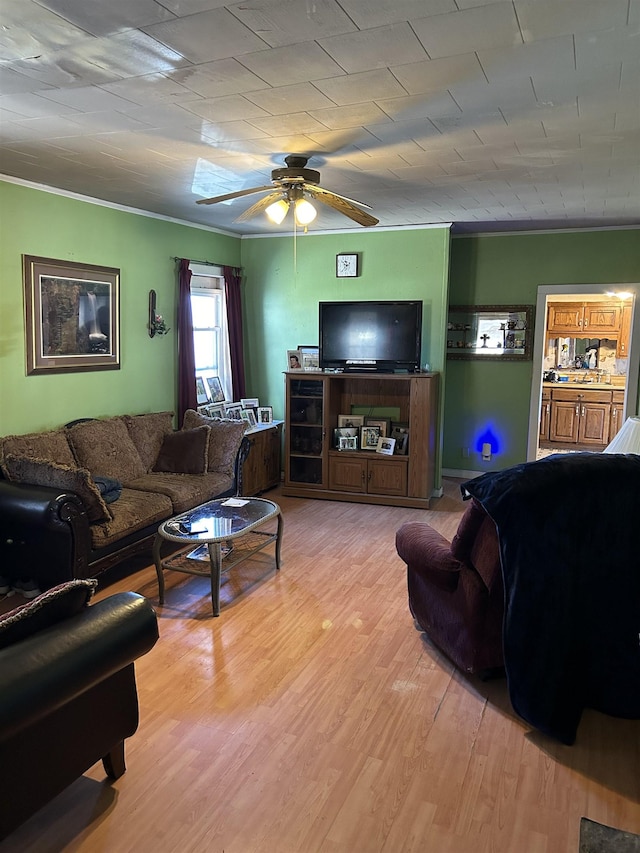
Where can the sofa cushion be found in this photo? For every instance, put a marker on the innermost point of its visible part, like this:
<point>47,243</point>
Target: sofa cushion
<point>51,446</point>
<point>134,511</point>
<point>185,490</point>
<point>39,472</point>
<point>225,441</point>
<point>105,448</point>
<point>147,432</point>
<point>54,605</point>
<point>184,452</point>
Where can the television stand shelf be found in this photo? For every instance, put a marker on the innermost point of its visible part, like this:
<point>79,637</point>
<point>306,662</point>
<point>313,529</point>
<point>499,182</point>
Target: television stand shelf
<point>315,468</point>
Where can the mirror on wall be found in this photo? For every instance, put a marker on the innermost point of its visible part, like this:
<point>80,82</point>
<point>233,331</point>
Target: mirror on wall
<point>490,332</point>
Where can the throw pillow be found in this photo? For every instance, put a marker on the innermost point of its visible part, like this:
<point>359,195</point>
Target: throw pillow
<point>58,603</point>
<point>147,432</point>
<point>225,441</point>
<point>51,446</point>
<point>184,452</point>
<point>38,472</point>
<point>105,447</point>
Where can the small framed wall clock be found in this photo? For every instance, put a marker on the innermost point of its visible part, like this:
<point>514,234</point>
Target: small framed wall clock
<point>347,266</point>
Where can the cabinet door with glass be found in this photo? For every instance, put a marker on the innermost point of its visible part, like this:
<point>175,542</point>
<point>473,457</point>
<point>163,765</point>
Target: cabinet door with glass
<point>305,431</point>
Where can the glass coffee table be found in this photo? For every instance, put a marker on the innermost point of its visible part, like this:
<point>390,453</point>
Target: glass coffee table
<point>221,533</point>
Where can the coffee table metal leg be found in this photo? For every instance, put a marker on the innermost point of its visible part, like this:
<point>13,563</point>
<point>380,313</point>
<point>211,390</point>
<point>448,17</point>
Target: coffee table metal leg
<point>157,544</point>
<point>279,540</point>
<point>215,558</point>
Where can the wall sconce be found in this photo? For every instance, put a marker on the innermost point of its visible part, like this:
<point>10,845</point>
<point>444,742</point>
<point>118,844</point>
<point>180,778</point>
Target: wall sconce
<point>157,325</point>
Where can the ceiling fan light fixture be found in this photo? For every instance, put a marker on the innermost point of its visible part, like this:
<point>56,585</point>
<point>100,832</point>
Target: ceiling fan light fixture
<point>305,212</point>
<point>277,211</point>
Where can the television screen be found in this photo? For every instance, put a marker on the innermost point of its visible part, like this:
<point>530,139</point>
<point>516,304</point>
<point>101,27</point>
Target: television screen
<point>383,336</point>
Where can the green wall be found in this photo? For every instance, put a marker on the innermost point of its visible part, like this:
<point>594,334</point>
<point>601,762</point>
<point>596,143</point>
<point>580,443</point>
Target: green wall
<point>282,291</point>
<point>47,225</point>
<point>507,269</point>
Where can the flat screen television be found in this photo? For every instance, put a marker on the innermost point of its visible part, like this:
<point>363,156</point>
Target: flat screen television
<point>370,336</point>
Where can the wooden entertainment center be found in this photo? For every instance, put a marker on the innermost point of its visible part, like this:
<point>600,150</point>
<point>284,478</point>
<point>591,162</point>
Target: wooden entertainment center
<point>315,468</point>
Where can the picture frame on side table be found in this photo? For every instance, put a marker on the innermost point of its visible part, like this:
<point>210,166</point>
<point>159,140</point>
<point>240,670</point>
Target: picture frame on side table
<point>265,414</point>
<point>369,436</point>
<point>216,410</point>
<point>250,402</point>
<point>215,389</point>
<point>201,391</point>
<point>248,415</point>
<point>72,316</point>
<point>345,432</point>
<point>233,411</point>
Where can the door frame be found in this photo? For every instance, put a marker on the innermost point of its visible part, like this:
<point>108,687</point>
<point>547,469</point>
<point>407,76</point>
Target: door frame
<point>546,291</point>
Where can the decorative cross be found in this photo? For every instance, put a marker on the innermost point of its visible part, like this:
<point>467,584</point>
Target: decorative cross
<point>484,338</point>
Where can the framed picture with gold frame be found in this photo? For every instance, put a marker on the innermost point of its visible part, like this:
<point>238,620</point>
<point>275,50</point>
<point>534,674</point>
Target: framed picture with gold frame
<point>72,316</point>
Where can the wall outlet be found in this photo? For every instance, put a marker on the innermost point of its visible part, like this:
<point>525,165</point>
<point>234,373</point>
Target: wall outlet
<point>465,452</point>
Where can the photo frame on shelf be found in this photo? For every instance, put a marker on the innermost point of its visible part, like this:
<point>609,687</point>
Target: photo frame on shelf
<point>383,423</point>
<point>309,358</point>
<point>345,432</point>
<point>294,359</point>
<point>386,445</point>
<point>72,316</point>
<point>348,442</point>
<point>215,389</point>
<point>369,436</point>
<point>201,392</point>
<point>350,420</point>
<point>400,432</point>
<point>265,414</point>
<point>250,402</point>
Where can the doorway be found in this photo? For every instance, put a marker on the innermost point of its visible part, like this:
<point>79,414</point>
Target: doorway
<point>571,292</point>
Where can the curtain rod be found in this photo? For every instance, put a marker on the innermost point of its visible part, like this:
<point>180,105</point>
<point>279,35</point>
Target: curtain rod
<point>204,263</point>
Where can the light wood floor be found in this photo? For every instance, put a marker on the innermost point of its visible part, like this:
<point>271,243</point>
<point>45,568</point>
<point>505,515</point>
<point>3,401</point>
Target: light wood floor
<point>312,716</point>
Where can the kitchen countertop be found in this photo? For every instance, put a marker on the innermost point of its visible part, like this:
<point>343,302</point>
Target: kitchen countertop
<point>584,386</point>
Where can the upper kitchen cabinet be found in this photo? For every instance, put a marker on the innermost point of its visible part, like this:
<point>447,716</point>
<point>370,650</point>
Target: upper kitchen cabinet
<point>585,319</point>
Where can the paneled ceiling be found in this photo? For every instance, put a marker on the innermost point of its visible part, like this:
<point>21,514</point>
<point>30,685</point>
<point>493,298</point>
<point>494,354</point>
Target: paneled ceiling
<point>491,115</point>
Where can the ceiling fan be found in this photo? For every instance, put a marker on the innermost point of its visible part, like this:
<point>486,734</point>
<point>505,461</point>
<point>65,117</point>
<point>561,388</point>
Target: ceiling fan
<point>292,184</point>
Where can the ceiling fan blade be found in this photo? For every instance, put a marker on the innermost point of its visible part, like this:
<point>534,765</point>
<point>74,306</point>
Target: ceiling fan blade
<point>321,190</point>
<point>342,205</point>
<point>260,205</point>
<point>229,196</point>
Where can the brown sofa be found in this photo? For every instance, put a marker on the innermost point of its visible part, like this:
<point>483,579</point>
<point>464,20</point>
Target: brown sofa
<point>456,590</point>
<point>81,498</point>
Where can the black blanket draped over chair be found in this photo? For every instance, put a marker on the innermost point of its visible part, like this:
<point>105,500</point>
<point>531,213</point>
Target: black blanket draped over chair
<point>569,534</point>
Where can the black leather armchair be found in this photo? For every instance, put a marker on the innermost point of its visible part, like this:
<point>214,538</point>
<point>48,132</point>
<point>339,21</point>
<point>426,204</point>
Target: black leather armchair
<point>67,700</point>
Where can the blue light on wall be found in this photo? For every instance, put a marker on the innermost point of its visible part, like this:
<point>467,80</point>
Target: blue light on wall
<point>488,436</point>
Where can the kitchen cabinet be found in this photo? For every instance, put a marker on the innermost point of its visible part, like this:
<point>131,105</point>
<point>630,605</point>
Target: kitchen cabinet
<point>585,319</point>
<point>315,468</point>
<point>580,417</point>
<point>261,469</point>
<point>617,413</point>
<point>545,414</point>
<point>622,349</point>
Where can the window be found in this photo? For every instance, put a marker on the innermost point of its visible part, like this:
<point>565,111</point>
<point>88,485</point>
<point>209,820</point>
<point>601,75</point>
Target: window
<point>210,330</point>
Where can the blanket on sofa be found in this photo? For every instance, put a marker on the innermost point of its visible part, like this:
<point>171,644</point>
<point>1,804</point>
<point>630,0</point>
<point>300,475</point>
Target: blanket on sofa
<point>569,532</point>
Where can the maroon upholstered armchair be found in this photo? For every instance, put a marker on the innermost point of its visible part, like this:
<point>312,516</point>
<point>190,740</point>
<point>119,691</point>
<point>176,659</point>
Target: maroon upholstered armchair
<point>456,591</point>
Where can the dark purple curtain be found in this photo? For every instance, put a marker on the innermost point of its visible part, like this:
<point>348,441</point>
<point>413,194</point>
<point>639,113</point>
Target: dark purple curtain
<point>232,280</point>
<point>187,398</point>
